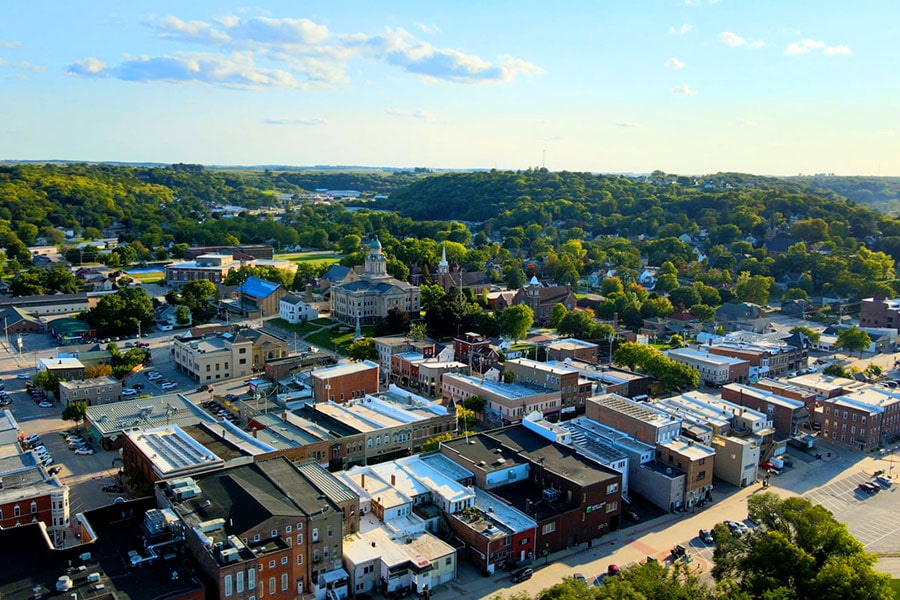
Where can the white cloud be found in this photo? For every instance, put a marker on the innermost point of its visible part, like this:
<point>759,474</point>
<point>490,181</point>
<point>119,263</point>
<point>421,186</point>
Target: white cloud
<point>412,114</point>
<point>730,38</point>
<point>836,50</point>
<point>685,28</point>
<point>627,125</point>
<point>286,52</point>
<point>674,63</point>
<point>428,28</point>
<point>9,44</point>
<point>87,67</point>
<point>295,122</point>
<point>807,45</point>
<point>683,90</point>
<point>27,66</point>
<point>692,2</point>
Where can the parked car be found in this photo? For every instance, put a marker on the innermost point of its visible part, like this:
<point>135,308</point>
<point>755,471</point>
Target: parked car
<point>885,481</point>
<point>522,575</point>
<point>31,438</point>
<point>54,470</point>
<point>45,404</point>
<point>705,536</point>
<point>868,487</point>
<point>84,451</point>
<point>129,392</point>
<point>168,385</point>
<point>23,376</point>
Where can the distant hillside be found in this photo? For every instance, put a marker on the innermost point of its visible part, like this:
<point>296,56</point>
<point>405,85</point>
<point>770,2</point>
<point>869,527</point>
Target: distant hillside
<point>881,193</point>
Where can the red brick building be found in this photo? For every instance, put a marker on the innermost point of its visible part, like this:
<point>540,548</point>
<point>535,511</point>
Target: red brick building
<point>345,382</point>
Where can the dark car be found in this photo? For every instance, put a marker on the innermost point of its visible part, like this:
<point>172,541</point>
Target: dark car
<point>869,488</point>
<point>706,536</point>
<point>522,575</point>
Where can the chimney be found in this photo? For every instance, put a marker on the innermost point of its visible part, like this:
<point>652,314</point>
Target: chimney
<point>393,480</point>
<point>362,481</point>
<point>254,430</point>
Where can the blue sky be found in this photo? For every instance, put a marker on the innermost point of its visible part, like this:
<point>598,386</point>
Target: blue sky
<point>685,86</point>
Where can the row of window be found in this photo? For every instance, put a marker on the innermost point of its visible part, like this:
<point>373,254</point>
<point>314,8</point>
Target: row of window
<point>17,511</point>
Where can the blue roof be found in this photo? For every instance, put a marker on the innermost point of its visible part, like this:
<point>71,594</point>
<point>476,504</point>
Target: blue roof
<point>258,288</point>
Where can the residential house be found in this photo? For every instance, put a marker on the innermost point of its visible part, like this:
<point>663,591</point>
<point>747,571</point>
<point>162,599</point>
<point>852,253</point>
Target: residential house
<point>294,309</point>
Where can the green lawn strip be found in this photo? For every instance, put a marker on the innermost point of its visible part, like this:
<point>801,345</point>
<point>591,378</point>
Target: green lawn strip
<point>298,328</point>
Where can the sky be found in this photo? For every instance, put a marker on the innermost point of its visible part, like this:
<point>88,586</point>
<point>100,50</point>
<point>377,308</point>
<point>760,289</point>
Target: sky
<point>777,87</point>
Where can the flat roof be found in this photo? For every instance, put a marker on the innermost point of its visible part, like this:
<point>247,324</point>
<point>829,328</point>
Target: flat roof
<point>634,409</point>
<point>438,482</point>
<point>89,383</point>
<point>171,450</point>
<point>344,369</point>
<point>146,413</point>
<point>714,359</point>
<point>765,395</point>
<point>496,509</point>
<point>819,381</point>
<point>544,367</point>
<point>509,391</point>
<point>690,448</point>
<point>441,463</point>
<point>571,344</point>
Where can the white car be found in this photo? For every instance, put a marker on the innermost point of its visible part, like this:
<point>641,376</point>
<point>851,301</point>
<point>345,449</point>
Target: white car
<point>153,376</point>
<point>84,452</point>
<point>31,439</point>
<point>129,392</point>
<point>23,376</point>
<point>168,385</point>
<point>46,405</point>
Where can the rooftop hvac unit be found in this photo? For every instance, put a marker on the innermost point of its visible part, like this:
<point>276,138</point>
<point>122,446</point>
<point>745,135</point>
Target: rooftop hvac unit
<point>93,577</point>
<point>230,555</point>
<point>64,584</point>
<point>551,495</point>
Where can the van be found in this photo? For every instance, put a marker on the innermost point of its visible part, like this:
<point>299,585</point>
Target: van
<point>522,575</point>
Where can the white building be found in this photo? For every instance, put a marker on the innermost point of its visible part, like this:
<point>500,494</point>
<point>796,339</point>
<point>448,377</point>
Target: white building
<point>293,309</point>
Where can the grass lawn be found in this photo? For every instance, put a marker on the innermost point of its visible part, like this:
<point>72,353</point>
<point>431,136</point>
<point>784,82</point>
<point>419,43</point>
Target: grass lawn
<point>337,341</point>
<point>298,328</point>
<point>895,585</point>
<point>323,322</point>
<point>151,277</point>
<point>316,258</point>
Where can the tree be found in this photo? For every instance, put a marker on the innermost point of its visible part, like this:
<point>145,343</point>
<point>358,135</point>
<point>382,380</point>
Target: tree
<point>813,336</point>
<point>431,294</point>
<point>362,349</point>
<point>799,551</point>
<point>685,297</point>
<point>417,331</point>
<point>557,313</point>
<point>754,288</point>
<point>513,275</point>
<point>433,443</point>
<point>703,313</point>
<point>182,315</point>
<point>397,321</point>
<point>852,339</point>
<point>349,243</point>
<point>515,321</point>
<point>98,371</point>
<point>48,380</point>
<point>579,324</point>
<point>836,370</point>
<point>75,411</point>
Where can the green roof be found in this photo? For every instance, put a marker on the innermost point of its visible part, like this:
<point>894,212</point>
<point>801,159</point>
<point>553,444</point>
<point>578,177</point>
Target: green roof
<point>68,326</point>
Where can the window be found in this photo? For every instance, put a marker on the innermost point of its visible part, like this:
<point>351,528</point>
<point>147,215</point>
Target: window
<point>315,535</point>
<point>272,588</point>
<point>448,561</point>
<point>287,528</point>
<point>612,507</point>
<point>17,512</point>
<point>299,539</point>
<point>548,528</point>
<point>242,361</point>
<point>274,533</point>
<point>251,579</point>
<point>701,475</point>
<point>271,564</point>
<point>284,560</point>
<point>242,351</point>
<point>256,537</point>
<point>330,532</point>
<point>299,559</point>
<point>284,582</point>
<point>300,526</point>
<point>34,508</point>
<point>228,586</point>
<point>239,582</point>
<point>612,488</point>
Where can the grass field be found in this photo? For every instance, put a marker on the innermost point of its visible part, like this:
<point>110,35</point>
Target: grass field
<point>895,585</point>
<point>337,341</point>
<point>298,328</point>
<point>149,277</point>
<point>315,258</point>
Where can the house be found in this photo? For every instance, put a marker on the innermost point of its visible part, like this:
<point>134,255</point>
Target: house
<point>167,316</point>
<point>542,299</point>
<point>369,298</point>
<point>263,527</point>
<point>736,316</point>
<point>453,276</point>
<point>261,296</point>
<point>17,321</point>
<point>99,390</point>
<point>294,309</point>
<point>572,498</point>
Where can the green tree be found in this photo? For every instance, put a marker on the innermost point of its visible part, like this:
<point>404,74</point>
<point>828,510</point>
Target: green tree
<point>853,339</point>
<point>47,380</point>
<point>431,294</point>
<point>433,443</point>
<point>94,371</point>
<point>513,275</point>
<point>349,243</point>
<point>515,321</point>
<point>754,288</point>
<point>417,331</point>
<point>836,370</point>
<point>703,313</point>
<point>362,349</point>
<point>75,411</point>
<point>182,314</point>
<point>557,314</point>
<point>799,551</point>
<point>813,336</point>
